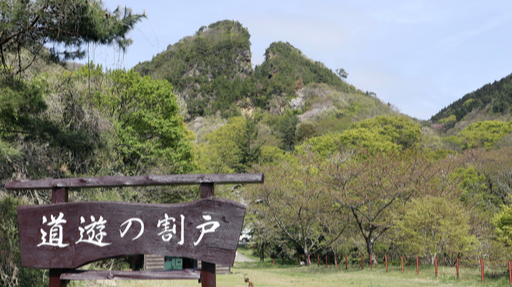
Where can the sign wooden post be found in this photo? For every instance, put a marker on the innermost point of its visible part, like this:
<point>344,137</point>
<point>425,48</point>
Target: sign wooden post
<point>208,278</point>
<point>59,195</point>
<point>62,236</point>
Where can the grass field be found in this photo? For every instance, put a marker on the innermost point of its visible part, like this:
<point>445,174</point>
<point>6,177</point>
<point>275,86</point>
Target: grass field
<point>264,275</point>
<point>286,274</point>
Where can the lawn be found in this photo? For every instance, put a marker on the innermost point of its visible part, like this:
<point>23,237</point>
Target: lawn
<point>279,275</point>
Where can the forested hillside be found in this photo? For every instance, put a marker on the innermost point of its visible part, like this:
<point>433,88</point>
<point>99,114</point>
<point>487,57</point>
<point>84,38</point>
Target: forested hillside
<point>212,72</point>
<point>207,69</point>
<point>344,171</point>
<point>492,101</point>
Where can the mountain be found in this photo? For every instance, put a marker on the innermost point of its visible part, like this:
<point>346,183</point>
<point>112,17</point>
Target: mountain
<point>286,69</point>
<point>490,102</point>
<point>211,72</point>
<point>207,69</point>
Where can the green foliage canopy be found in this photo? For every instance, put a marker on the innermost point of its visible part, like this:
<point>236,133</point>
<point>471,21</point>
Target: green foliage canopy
<point>434,226</point>
<point>12,274</point>
<point>378,134</point>
<point>232,147</point>
<point>494,98</point>
<point>483,134</point>
<point>149,128</point>
<point>30,25</point>
<point>503,223</point>
<point>398,130</point>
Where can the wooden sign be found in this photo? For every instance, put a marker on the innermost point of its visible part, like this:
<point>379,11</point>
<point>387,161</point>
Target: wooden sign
<point>69,235</point>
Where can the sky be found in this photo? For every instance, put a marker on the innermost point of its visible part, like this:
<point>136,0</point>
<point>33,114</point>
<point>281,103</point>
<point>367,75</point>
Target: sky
<point>417,55</point>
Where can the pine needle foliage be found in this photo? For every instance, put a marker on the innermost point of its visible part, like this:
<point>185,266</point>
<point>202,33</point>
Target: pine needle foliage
<point>67,25</point>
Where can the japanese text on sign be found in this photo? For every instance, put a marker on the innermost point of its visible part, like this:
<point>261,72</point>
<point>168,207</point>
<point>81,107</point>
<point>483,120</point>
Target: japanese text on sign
<point>93,231</point>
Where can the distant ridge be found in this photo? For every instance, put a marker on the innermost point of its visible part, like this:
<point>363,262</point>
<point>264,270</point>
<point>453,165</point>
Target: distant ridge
<point>492,100</point>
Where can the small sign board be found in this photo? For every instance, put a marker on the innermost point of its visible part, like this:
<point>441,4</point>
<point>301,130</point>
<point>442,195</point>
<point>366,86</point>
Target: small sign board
<point>173,263</point>
<point>69,235</point>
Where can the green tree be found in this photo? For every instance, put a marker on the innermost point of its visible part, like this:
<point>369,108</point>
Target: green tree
<point>378,134</point>
<point>397,130</point>
<point>491,181</point>
<point>294,200</point>
<point>372,139</point>
<point>232,147</point>
<point>150,131</point>
<point>434,226</point>
<point>503,223</point>
<point>341,73</point>
<point>483,134</point>
<point>373,188</point>
<point>11,272</point>
<point>27,26</point>
<point>325,145</point>
<point>286,128</point>
<point>250,151</point>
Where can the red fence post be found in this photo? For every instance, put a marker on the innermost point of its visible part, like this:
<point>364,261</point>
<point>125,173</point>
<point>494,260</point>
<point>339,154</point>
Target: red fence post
<point>417,267</point>
<point>326,260</point>
<point>346,262</point>
<point>299,260</point>
<point>371,265</point>
<point>482,267</point>
<point>436,265</point>
<point>386,259</point>
<point>309,259</point>
<point>336,260</point>
<point>510,272</point>
<point>361,262</point>
<point>318,260</point>
<point>457,267</point>
<point>402,259</point>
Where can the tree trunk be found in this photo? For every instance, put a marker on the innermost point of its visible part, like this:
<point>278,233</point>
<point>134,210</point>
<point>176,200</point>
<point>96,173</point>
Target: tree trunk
<point>369,247</point>
<point>262,252</point>
<point>306,252</point>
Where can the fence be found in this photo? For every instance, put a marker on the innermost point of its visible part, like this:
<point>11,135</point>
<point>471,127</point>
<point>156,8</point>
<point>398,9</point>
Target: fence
<point>486,267</point>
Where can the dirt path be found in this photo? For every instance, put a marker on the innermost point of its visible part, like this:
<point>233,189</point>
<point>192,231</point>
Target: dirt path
<point>242,258</point>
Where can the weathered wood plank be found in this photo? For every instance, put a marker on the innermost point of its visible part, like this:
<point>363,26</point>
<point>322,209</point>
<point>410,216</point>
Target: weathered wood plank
<point>74,242</point>
<point>132,275</point>
<point>149,180</point>
<point>154,262</point>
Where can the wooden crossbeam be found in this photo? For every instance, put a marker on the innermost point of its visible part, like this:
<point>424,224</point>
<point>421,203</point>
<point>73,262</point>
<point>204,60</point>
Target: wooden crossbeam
<point>148,180</point>
<point>131,275</point>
